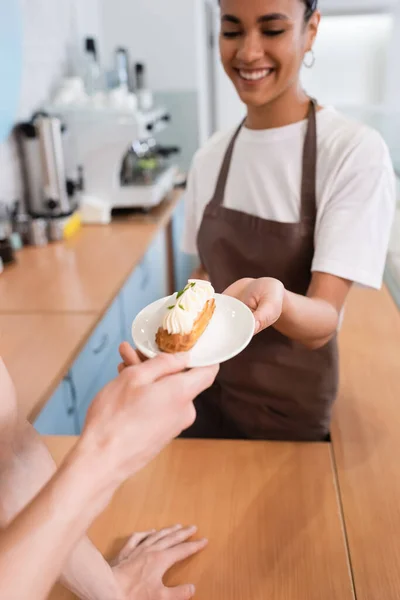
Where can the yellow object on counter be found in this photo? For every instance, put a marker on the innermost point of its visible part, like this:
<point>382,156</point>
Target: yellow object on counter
<point>72,225</point>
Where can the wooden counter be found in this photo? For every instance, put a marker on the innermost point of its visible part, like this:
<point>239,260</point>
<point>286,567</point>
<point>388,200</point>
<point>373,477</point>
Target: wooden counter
<point>38,350</point>
<point>53,298</point>
<point>366,442</point>
<point>85,273</point>
<point>269,510</point>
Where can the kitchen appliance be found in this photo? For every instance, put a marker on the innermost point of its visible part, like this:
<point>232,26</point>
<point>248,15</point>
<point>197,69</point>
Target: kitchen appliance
<point>143,93</point>
<point>53,181</point>
<point>122,64</point>
<point>6,249</point>
<point>93,76</point>
<point>38,232</point>
<point>145,162</point>
<point>123,165</point>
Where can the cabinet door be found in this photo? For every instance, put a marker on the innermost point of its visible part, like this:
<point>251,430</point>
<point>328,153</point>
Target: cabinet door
<point>106,337</point>
<point>184,264</point>
<point>156,268</point>
<point>147,283</point>
<point>59,416</point>
<point>107,372</point>
<point>134,298</point>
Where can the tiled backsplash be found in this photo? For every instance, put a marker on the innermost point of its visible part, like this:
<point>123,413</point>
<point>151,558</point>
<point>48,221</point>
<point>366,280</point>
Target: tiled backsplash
<point>50,34</point>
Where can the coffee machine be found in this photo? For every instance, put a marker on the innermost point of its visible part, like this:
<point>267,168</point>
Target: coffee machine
<point>124,167</point>
<point>53,182</point>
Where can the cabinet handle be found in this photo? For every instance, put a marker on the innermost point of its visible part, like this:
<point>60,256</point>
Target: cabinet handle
<point>145,274</point>
<point>102,345</point>
<point>145,280</point>
<point>71,407</point>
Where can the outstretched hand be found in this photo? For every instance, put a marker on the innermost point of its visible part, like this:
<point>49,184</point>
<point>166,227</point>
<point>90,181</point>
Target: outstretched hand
<point>263,296</point>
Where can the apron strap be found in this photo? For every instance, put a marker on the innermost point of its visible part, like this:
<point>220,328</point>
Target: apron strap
<point>219,194</point>
<point>308,185</point>
<point>309,178</point>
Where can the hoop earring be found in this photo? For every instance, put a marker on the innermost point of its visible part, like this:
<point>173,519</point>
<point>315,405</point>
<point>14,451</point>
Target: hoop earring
<point>309,63</point>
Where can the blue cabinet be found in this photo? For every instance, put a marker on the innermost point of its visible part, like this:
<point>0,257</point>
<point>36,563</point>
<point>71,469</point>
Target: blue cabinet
<point>148,283</point>
<point>59,416</point>
<point>106,338</point>
<point>184,264</point>
<point>107,372</point>
<point>97,364</point>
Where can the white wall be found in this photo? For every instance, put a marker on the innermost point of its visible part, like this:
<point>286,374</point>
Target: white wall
<point>392,88</point>
<point>51,30</point>
<point>160,33</point>
<point>341,7</point>
<point>351,60</point>
<point>350,69</point>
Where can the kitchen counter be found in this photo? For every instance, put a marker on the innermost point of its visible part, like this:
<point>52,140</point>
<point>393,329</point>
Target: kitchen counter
<point>38,350</point>
<point>366,442</point>
<point>270,511</point>
<point>292,521</point>
<point>85,273</point>
<point>53,298</point>
<point>51,302</point>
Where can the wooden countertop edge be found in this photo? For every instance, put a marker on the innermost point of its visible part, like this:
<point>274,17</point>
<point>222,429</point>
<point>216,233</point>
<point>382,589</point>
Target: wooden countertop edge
<point>63,371</point>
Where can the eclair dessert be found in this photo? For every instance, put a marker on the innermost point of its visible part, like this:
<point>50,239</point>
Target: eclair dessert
<point>187,316</point>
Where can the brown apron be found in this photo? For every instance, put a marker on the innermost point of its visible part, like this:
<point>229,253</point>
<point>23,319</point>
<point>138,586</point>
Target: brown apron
<point>276,389</point>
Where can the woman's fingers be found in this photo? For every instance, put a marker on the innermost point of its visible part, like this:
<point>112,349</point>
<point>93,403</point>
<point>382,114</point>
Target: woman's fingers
<point>268,296</point>
<point>238,288</point>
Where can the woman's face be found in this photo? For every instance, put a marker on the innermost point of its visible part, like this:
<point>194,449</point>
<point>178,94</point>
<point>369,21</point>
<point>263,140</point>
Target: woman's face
<point>262,45</point>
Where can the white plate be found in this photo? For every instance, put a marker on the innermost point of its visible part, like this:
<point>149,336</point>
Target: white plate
<point>229,332</point>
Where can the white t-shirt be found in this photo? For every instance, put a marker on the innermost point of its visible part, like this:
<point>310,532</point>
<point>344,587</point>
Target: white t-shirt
<point>356,194</point>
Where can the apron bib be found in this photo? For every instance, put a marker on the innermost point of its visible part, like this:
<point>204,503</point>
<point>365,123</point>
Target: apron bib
<point>276,389</point>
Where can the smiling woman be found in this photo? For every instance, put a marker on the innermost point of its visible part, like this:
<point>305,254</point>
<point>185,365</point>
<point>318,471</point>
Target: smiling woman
<point>299,197</point>
<point>263,55</point>
<point>10,64</point>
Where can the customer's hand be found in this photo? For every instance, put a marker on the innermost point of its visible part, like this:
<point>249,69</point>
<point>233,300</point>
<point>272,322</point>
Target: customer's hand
<point>141,411</point>
<point>129,357</point>
<point>140,567</point>
<point>263,296</point>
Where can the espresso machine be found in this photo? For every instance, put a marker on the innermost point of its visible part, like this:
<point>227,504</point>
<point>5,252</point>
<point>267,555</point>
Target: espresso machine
<point>53,181</point>
<point>124,167</point>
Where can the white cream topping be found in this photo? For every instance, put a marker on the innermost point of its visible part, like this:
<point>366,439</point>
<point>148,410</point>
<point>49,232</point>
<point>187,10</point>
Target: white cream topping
<point>183,312</point>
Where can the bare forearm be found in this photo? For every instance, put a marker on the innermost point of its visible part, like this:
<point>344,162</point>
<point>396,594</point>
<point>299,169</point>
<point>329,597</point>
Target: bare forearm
<point>310,321</point>
<point>40,539</point>
<point>24,470</point>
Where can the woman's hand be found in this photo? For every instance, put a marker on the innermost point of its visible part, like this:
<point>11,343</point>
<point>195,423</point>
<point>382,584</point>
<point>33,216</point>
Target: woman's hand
<point>263,296</point>
<point>141,565</point>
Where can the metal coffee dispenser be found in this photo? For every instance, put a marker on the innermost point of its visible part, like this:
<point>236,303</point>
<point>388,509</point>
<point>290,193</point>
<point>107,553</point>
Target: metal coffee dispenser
<point>53,183</point>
